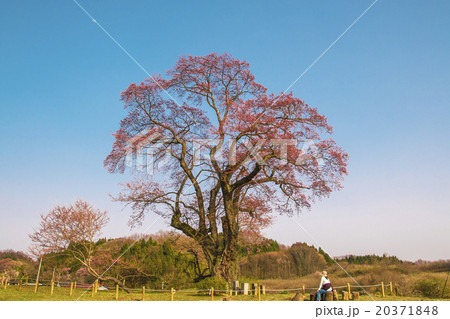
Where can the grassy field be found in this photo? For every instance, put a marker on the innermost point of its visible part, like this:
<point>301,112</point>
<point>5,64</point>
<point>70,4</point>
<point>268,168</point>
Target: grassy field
<point>13,293</point>
<point>403,280</point>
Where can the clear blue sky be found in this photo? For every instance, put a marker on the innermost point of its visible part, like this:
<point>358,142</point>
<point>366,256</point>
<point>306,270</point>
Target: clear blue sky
<point>385,87</point>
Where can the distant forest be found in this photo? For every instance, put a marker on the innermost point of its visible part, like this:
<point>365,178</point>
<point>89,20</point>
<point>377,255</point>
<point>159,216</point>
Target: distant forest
<point>168,259</point>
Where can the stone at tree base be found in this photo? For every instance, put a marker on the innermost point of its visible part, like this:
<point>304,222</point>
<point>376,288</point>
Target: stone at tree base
<point>355,295</point>
<point>335,295</point>
<point>345,295</point>
<point>298,297</point>
<point>244,288</point>
<point>227,298</point>
<point>328,296</point>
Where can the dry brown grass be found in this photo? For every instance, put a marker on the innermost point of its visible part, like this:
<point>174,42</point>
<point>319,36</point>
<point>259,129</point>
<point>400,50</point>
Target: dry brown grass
<point>404,278</point>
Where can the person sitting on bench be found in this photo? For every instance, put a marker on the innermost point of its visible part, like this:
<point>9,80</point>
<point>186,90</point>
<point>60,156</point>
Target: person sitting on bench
<point>325,285</point>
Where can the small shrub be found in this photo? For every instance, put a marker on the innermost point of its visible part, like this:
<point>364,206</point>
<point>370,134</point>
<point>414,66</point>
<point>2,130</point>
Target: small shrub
<point>427,287</point>
<point>216,282</point>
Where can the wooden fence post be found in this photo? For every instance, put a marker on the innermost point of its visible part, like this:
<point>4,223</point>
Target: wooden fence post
<point>335,295</point>
<point>171,294</point>
<point>212,293</point>
<point>382,290</point>
<point>390,288</point>
<point>143,293</point>
<point>117,291</point>
<point>75,285</point>
<point>328,296</point>
<point>345,296</point>
<point>37,276</point>
<point>52,285</point>
<point>348,290</point>
<point>6,283</point>
<point>36,287</point>
<point>259,292</point>
<point>303,289</point>
<point>397,292</point>
<point>71,289</point>
<point>26,281</point>
<point>93,290</point>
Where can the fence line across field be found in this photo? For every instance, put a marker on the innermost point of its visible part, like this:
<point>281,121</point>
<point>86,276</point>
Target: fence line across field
<point>84,285</point>
<point>256,290</point>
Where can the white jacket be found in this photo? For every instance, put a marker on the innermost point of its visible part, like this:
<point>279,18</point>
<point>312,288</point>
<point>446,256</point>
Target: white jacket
<point>323,282</point>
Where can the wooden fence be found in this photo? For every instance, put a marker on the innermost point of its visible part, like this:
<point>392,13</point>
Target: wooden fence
<point>347,292</point>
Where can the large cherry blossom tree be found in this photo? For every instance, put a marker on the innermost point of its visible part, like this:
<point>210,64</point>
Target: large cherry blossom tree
<point>234,156</point>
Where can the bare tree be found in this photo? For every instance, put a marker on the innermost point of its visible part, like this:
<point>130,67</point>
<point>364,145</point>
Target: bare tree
<point>72,230</point>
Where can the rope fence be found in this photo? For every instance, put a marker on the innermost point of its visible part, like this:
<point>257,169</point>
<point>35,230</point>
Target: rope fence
<point>348,291</point>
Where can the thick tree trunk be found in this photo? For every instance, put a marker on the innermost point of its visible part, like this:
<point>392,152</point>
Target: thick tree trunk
<point>219,251</point>
<point>221,258</point>
<point>223,265</point>
<point>228,257</point>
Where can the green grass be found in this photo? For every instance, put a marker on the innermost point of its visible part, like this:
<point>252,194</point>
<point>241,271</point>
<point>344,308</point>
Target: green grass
<point>13,293</point>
